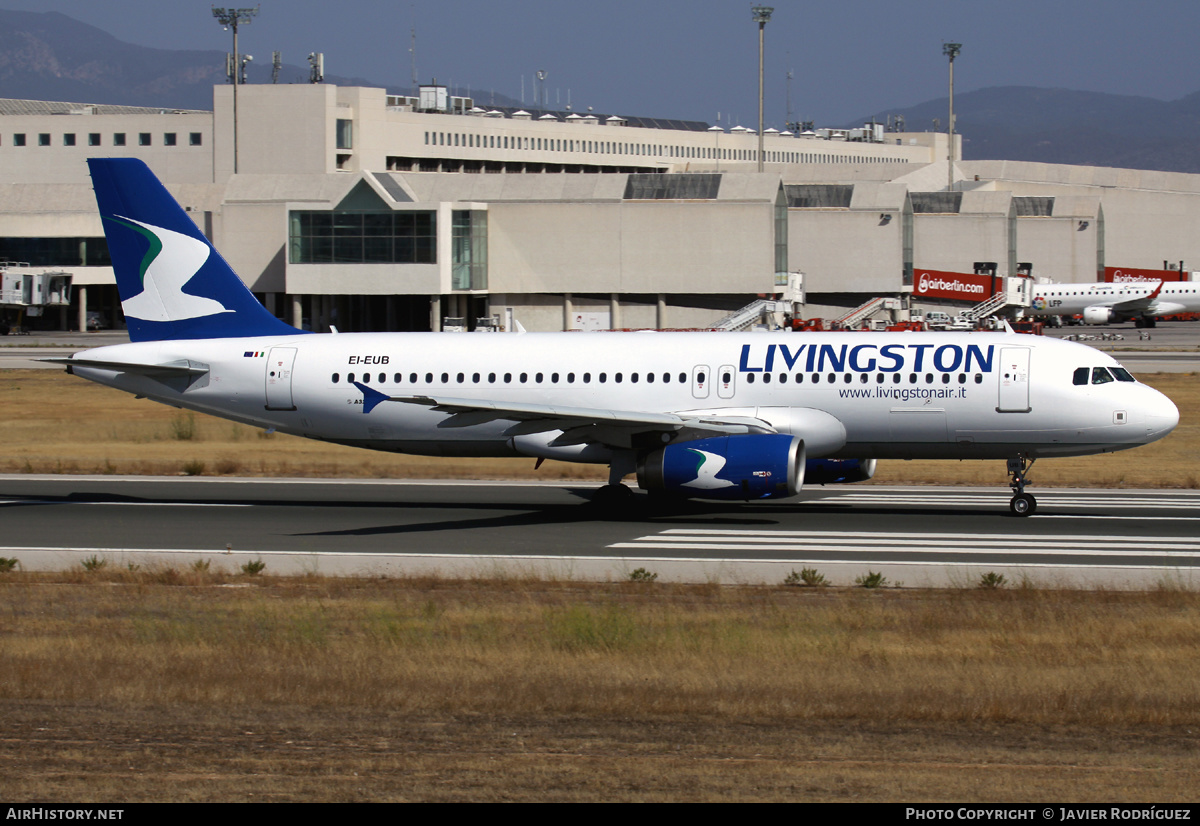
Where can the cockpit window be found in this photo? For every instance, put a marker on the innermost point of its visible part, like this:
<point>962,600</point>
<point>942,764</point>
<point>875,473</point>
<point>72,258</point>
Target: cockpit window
<point>1122,374</point>
<point>1101,376</point>
<point>1081,375</point>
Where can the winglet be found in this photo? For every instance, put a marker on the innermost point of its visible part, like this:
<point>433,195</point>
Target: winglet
<point>372,398</point>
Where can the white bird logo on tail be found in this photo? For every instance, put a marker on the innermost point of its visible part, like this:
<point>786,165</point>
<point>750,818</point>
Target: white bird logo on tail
<point>171,262</point>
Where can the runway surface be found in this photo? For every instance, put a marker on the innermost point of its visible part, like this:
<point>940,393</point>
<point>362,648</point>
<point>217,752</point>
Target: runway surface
<point>918,536</point>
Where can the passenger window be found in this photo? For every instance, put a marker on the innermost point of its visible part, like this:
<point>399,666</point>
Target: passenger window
<point>1101,376</point>
<point>683,378</point>
<point>570,378</point>
<point>979,378</point>
<point>445,378</point>
<point>475,378</point>
<point>766,378</point>
<point>336,378</point>
<point>783,378</point>
<point>847,378</point>
<point>429,378</point>
<point>538,378</point>
<point>945,378</point>
<point>633,377</point>
<point>617,378</point>
<point>554,378</point>
<point>962,378</point>
<point>491,378</point>
<point>524,378</point>
<point>412,378</point>
<point>396,379</point>
<point>929,378</point>
<point>350,378</point>
<point>749,378</point>
<point>604,378</point>
<point>863,378</point>
<point>460,378</point>
<point>383,378</point>
<point>650,378</point>
<point>726,378</point>
<point>508,378</point>
<point>1081,375</point>
<point>587,378</point>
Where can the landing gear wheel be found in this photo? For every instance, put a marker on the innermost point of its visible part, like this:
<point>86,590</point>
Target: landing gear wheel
<point>612,496</point>
<point>1023,504</point>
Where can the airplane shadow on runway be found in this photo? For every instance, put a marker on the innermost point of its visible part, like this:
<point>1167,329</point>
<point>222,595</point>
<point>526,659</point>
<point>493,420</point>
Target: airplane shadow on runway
<point>582,512</point>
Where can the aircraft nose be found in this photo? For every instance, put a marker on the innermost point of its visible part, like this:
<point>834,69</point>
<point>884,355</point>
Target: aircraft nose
<point>1161,415</point>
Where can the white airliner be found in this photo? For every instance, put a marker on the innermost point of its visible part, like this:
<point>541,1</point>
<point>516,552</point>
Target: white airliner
<point>1143,302</point>
<point>709,415</point>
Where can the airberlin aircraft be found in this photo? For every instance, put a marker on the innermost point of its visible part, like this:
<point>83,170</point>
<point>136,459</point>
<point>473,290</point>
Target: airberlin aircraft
<point>705,415</point>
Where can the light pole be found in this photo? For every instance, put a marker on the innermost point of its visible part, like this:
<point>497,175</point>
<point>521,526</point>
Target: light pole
<point>230,19</point>
<point>761,15</point>
<point>951,51</point>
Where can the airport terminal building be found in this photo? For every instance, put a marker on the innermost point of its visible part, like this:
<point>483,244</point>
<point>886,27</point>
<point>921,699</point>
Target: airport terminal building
<point>368,211</point>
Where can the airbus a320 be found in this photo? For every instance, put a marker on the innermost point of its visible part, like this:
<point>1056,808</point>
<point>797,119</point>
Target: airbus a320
<point>698,415</point>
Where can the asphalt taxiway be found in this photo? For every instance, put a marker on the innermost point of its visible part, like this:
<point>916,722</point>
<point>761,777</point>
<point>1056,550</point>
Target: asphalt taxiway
<point>918,536</point>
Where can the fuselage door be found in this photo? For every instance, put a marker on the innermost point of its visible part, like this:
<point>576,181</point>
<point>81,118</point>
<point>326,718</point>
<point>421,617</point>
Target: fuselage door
<point>700,381</point>
<point>1014,380</point>
<point>725,378</point>
<point>280,361</point>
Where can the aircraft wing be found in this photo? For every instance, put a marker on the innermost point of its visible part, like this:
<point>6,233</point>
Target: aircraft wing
<point>1136,305</point>
<point>535,418</point>
<point>181,368</point>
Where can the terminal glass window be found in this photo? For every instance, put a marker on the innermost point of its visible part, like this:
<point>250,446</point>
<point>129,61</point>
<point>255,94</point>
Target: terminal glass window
<point>346,237</point>
<point>19,139</point>
<point>93,139</point>
<point>195,139</point>
<point>143,138</point>
<point>345,134</point>
<point>118,139</point>
<point>168,139</point>
<point>68,139</point>
<point>56,252</point>
<point>469,243</point>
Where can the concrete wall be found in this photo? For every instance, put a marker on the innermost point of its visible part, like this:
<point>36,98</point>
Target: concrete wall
<point>642,247</point>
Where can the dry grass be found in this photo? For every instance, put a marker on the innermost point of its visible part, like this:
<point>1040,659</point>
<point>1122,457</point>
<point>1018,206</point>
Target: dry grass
<point>182,687</point>
<point>54,423</point>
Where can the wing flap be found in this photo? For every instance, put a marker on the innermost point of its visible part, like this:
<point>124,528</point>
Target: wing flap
<point>541,418</point>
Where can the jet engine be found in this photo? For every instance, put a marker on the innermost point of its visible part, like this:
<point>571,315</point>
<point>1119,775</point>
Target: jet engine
<point>1098,315</point>
<point>752,466</point>
<point>838,471</point>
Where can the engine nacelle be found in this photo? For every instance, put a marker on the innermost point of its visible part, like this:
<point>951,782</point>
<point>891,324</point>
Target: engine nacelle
<point>753,466</point>
<point>838,471</point>
<point>1098,315</point>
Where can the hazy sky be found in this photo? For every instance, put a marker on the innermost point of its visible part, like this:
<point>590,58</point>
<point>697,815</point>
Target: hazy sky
<point>696,59</point>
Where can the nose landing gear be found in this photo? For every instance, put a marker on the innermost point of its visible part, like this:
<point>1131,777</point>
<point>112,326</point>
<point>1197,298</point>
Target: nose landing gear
<point>1022,503</point>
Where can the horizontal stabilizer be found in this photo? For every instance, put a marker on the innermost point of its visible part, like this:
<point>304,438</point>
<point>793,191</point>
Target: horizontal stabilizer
<point>183,367</point>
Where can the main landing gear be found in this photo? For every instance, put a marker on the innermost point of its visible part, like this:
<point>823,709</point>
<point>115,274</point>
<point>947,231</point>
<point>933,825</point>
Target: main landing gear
<point>1022,503</point>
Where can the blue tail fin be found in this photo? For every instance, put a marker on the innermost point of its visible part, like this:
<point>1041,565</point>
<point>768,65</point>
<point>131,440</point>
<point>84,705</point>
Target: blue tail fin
<point>173,283</point>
